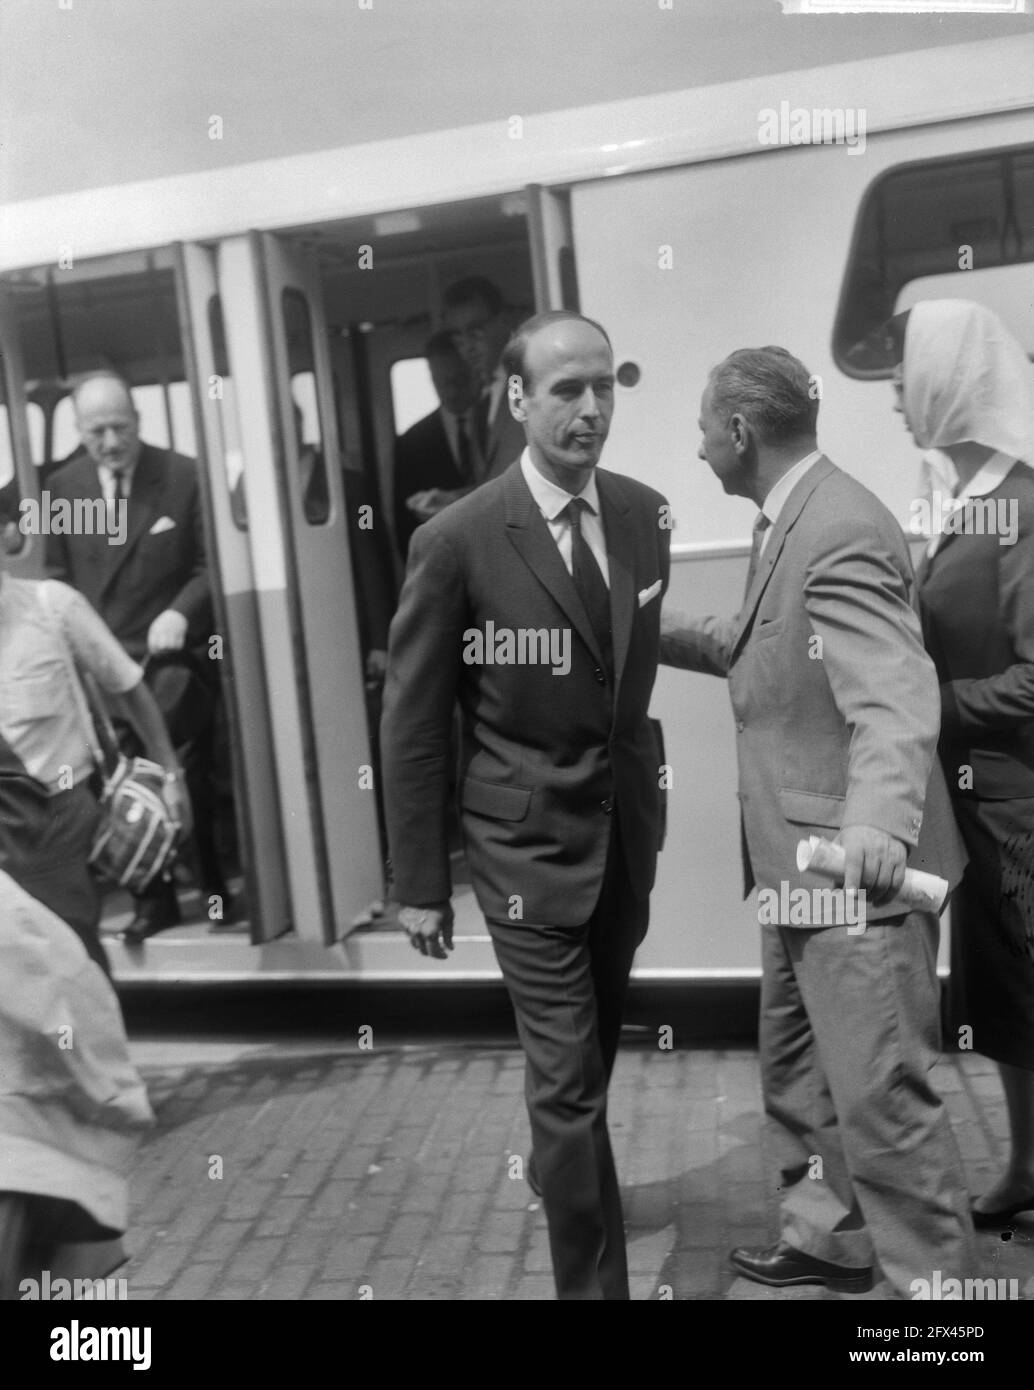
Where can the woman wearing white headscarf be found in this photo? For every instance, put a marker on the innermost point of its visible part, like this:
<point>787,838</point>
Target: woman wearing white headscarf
<point>967,394</point>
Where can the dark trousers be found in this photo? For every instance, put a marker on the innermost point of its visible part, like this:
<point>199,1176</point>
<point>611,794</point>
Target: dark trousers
<point>66,884</point>
<point>567,986</point>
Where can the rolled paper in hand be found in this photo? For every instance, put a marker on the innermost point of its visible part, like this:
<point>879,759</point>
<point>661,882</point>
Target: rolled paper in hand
<point>920,891</point>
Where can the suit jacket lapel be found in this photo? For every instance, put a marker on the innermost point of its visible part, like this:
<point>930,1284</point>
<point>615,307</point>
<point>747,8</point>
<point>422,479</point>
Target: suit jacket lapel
<point>531,537</point>
<point>144,504</point>
<point>621,564</point>
<point>791,510</point>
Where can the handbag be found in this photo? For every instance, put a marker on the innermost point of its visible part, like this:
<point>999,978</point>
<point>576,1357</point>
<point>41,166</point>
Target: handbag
<point>136,838</point>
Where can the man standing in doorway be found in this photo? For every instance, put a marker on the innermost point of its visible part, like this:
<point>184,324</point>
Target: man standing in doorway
<point>153,592</point>
<point>558,765</point>
<point>475,315</point>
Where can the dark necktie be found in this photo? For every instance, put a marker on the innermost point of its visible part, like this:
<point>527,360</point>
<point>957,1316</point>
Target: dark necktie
<point>463,449</point>
<point>760,527</point>
<point>118,495</point>
<point>589,582</point>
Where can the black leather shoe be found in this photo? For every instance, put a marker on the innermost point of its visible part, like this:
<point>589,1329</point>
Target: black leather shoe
<point>533,1177</point>
<point>1001,1216</point>
<point>780,1266</point>
<point>152,915</point>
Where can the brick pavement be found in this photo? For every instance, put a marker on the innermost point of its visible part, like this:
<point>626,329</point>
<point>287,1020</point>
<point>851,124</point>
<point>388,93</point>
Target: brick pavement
<point>315,1171</point>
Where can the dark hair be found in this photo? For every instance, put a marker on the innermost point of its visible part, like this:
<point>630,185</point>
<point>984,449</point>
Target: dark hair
<point>770,388</point>
<point>516,348</point>
<point>441,344</point>
<point>475,289</point>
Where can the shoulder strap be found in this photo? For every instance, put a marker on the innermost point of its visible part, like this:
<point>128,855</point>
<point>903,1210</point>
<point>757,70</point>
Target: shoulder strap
<point>46,598</point>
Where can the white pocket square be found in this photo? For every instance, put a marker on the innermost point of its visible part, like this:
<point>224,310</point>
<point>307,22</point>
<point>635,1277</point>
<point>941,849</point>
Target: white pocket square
<point>645,595</point>
<point>164,523</point>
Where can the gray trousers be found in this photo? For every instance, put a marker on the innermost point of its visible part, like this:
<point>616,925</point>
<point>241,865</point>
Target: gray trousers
<point>869,1165</point>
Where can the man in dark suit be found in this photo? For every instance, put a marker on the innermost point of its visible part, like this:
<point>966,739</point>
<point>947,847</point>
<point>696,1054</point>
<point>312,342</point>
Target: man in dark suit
<point>436,459</point>
<point>476,316</point>
<point>535,602</point>
<point>837,712</point>
<point>152,590</point>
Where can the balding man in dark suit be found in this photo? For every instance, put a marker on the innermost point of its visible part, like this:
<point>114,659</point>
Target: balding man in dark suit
<point>535,603</point>
<point>153,592</point>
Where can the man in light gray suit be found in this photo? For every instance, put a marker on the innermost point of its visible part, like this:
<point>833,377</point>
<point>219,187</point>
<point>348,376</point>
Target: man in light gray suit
<point>837,712</point>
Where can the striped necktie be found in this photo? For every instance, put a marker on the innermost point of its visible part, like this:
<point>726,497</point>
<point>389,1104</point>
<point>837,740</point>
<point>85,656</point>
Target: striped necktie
<point>760,527</point>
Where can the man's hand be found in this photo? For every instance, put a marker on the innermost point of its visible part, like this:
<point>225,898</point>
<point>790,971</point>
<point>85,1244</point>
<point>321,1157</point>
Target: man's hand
<point>433,500</point>
<point>167,633</point>
<point>177,802</point>
<point>376,665</point>
<point>875,861</point>
<point>429,929</point>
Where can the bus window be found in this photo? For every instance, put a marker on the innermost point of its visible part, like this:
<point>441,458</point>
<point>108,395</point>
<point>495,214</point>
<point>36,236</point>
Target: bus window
<point>312,467</point>
<point>960,228</point>
<point>412,392</point>
<point>226,397</point>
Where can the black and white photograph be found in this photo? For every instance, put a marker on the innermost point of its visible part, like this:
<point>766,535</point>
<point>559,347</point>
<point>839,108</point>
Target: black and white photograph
<point>516,668</point>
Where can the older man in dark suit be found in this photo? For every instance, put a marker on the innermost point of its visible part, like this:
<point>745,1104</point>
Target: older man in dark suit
<point>535,603</point>
<point>837,711</point>
<point>152,590</point>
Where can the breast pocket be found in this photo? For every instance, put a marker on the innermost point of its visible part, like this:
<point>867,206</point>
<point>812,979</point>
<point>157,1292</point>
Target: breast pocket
<point>764,630</point>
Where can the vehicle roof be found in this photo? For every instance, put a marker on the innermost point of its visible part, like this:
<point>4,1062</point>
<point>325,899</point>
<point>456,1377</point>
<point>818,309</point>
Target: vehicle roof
<point>94,94</point>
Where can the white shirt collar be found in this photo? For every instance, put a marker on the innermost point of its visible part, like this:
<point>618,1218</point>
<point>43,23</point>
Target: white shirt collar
<point>989,476</point>
<point>776,499</point>
<point>108,475</point>
<point>550,499</point>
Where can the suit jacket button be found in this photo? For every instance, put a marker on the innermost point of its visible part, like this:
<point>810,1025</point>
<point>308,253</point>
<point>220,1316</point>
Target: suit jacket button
<point>597,671</point>
<point>740,726</point>
<point>606,805</point>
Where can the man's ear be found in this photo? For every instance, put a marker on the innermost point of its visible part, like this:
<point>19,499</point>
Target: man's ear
<point>739,428</point>
<point>515,396</point>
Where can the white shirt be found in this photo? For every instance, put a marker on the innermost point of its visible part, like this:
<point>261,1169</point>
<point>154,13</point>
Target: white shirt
<point>776,499</point>
<point>552,501</point>
<point>106,477</point>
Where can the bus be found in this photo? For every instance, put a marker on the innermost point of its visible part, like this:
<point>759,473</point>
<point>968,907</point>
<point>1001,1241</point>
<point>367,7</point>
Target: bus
<point>720,178</point>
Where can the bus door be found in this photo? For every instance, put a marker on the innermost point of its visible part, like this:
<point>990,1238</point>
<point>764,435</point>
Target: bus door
<point>244,685</point>
<point>301,533</point>
<point>24,553</point>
